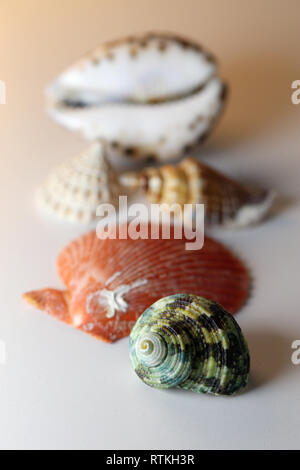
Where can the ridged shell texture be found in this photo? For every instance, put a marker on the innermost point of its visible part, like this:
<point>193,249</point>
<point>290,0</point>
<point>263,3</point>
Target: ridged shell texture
<point>74,189</point>
<point>190,342</point>
<point>226,201</point>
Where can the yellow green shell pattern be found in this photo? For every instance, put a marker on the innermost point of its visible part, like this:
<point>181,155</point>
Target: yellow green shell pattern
<point>190,342</point>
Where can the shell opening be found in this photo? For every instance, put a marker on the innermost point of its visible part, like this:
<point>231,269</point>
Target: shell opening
<point>149,74</point>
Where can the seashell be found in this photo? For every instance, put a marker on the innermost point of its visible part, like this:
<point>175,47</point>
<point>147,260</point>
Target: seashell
<point>151,96</point>
<point>75,188</point>
<point>190,342</point>
<point>227,202</point>
<point>110,282</point>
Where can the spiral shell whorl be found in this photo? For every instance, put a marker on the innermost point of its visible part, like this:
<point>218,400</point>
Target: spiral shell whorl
<point>192,343</point>
<point>160,354</point>
<point>151,349</point>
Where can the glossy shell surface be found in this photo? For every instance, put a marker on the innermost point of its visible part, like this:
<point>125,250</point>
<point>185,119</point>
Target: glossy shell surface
<point>227,202</point>
<point>151,96</point>
<point>190,342</point>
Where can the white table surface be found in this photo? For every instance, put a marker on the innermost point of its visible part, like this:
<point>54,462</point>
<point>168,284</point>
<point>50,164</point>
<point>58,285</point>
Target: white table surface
<point>62,389</point>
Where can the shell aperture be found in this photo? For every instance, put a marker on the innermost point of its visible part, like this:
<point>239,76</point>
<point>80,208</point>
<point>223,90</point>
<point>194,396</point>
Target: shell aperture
<point>190,342</point>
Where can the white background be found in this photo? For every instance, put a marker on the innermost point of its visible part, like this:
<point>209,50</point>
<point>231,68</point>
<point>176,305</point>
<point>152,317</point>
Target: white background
<point>61,388</point>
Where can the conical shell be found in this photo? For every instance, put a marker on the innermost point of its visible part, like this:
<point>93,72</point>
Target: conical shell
<point>226,201</point>
<point>190,342</point>
<point>151,96</point>
<point>74,190</point>
<point>110,282</point>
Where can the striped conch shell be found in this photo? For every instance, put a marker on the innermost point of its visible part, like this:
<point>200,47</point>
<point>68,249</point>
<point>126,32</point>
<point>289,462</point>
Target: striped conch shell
<point>75,188</point>
<point>227,202</point>
<point>151,96</point>
<point>190,342</point>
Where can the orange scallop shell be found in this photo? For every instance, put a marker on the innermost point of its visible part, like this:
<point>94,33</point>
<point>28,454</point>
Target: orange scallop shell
<point>109,283</point>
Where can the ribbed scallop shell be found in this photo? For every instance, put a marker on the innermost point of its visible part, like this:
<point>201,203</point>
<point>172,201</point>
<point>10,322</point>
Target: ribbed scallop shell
<point>110,282</point>
<point>150,96</point>
<point>75,188</point>
<point>190,342</point>
<point>227,202</point>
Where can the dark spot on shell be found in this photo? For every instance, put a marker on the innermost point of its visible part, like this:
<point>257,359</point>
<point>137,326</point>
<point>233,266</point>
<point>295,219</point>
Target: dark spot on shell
<point>129,151</point>
<point>182,302</point>
<point>224,92</point>
<point>205,321</point>
<point>145,183</point>
<point>202,137</point>
<point>141,373</point>
<point>198,48</point>
<point>209,57</point>
<point>215,349</point>
<point>230,357</point>
<point>144,43</point>
<point>213,383</point>
<point>115,144</point>
<point>151,157</point>
<point>162,46</point>
<point>133,51</point>
<point>184,44</point>
<point>217,310</point>
<point>74,104</point>
<point>187,148</point>
<point>259,196</point>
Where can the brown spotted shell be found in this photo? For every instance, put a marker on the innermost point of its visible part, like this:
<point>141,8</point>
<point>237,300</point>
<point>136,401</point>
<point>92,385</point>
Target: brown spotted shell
<point>150,96</point>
